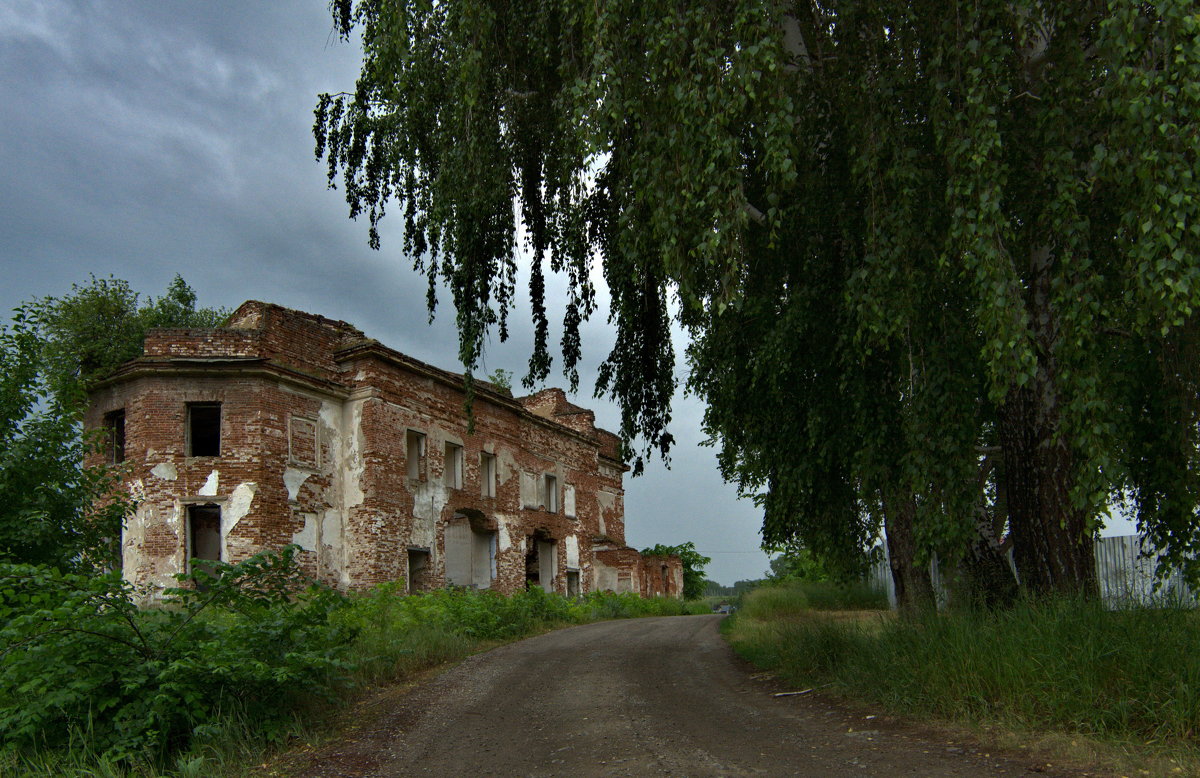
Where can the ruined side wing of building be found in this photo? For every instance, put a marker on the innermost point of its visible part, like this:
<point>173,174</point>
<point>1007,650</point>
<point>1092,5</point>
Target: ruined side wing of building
<point>284,427</point>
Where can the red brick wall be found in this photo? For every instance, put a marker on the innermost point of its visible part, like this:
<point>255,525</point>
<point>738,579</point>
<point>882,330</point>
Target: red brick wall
<point>324,462</point>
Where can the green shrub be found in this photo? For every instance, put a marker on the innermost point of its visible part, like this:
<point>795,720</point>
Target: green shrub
<point>91,685</point>
<point>77,657</point>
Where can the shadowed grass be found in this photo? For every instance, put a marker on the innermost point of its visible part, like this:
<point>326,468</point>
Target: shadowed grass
<point>1126,676</point>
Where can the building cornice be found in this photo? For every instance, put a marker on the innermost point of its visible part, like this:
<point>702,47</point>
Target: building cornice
<point>375,349</point>
<point>256,367</point>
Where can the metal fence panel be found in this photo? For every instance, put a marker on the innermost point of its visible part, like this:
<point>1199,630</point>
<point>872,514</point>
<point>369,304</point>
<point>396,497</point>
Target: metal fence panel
<point>1125,574</point>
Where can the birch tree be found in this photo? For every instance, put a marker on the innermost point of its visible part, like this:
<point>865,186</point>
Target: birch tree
<point>938,267</point>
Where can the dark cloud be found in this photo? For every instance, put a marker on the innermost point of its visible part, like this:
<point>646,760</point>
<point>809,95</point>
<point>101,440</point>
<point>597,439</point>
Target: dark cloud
<point>144,139</point>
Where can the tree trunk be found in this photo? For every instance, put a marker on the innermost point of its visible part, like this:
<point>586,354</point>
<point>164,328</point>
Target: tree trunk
<point>985,577</point>
<point>914,589</point>
<point>1052,543</point>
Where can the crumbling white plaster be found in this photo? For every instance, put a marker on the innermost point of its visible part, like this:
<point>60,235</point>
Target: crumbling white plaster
<point>605,577</point>
<point>572,551</point>
<point>504,539</point>
<point>293,479</point>
<point>239,505</point>
<point>353,465</point>
<point>569,501</point>
<point>166,471</point>
<point>429,499</point>
<point>531,496</point>
<point>331,530</point>
<point>307,538</point>
<point>210,486</point>
<point>607,503</point>
<point>331,415</point>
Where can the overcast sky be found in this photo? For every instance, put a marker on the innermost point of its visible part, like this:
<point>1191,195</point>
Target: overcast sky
<point>145,139</point>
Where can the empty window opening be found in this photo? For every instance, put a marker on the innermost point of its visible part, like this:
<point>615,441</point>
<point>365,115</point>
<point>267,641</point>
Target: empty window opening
<point>416,455</point>
<point>572,583</point>
<point>418,569</point>
<point>204,429</point>
<point>487,474</point>
<point>114,427</point>
<point>453,473</point>
<point>550,493</point>
<point>204,537</point>
<point>540,561</point>
<point>470,554</point>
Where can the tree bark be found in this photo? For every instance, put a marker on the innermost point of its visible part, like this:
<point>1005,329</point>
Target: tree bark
<point>914,589</point>
<point>986,579</point>
<point>1052,543</point>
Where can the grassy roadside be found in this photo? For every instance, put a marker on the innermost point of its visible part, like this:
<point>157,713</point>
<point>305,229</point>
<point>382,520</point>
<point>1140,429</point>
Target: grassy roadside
<point>390,640</point>
<point>1121,688</point>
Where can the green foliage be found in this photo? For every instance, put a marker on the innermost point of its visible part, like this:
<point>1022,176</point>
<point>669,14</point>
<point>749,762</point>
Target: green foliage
<point>79,659</point>
<point>715,589</point>
<point>501,378</point>
<point>798,563</point>
<point>91,331</point>
<point>897,238</point>
<point>693,566</point>
<point>795,597</point>
<point>53,511</point>
<point>90,684</point>
<point>1066,665</point>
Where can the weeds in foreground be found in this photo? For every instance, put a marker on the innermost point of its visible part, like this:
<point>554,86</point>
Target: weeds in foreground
<point>1130,675</point>
<point>92,686</point>
<point>794,598</point>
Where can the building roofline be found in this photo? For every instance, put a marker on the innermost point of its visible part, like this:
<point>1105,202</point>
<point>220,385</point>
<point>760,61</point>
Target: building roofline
<point>357,345</point>
<point>204,366</point>
<point>337,324</point>
<point>452,380</point>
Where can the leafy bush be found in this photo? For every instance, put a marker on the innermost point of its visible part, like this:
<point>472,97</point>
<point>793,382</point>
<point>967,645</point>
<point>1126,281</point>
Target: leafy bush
<point>78,656</point>
<point>90,684</point>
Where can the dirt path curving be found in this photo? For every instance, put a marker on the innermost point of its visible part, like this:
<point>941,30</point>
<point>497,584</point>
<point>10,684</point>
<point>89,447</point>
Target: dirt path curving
<point>642,697</point>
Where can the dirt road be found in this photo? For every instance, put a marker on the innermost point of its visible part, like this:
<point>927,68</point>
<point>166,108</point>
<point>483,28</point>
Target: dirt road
<point>642,697</point>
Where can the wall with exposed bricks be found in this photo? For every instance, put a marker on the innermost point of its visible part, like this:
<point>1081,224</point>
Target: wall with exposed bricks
<point>314,450</point>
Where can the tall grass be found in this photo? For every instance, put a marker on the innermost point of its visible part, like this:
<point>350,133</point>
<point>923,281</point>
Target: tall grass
<point>1130,675</point>
<point>793,598</point>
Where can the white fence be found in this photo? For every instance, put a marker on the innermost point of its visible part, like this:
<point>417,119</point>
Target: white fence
<point>1124,570</point>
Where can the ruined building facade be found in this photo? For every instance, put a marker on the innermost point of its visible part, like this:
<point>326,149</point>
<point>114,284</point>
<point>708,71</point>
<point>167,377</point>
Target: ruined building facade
<point>284,427</point>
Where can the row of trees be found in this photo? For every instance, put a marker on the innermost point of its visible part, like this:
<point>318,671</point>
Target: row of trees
<point>939,270</point>
<point>54,511</point>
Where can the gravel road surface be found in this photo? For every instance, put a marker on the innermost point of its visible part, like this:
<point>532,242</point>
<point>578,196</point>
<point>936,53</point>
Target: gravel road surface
<point>639,697</point>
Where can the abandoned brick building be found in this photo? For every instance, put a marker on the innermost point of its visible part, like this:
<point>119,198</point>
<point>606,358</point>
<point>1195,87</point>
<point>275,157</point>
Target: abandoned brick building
<point>285,427</point>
